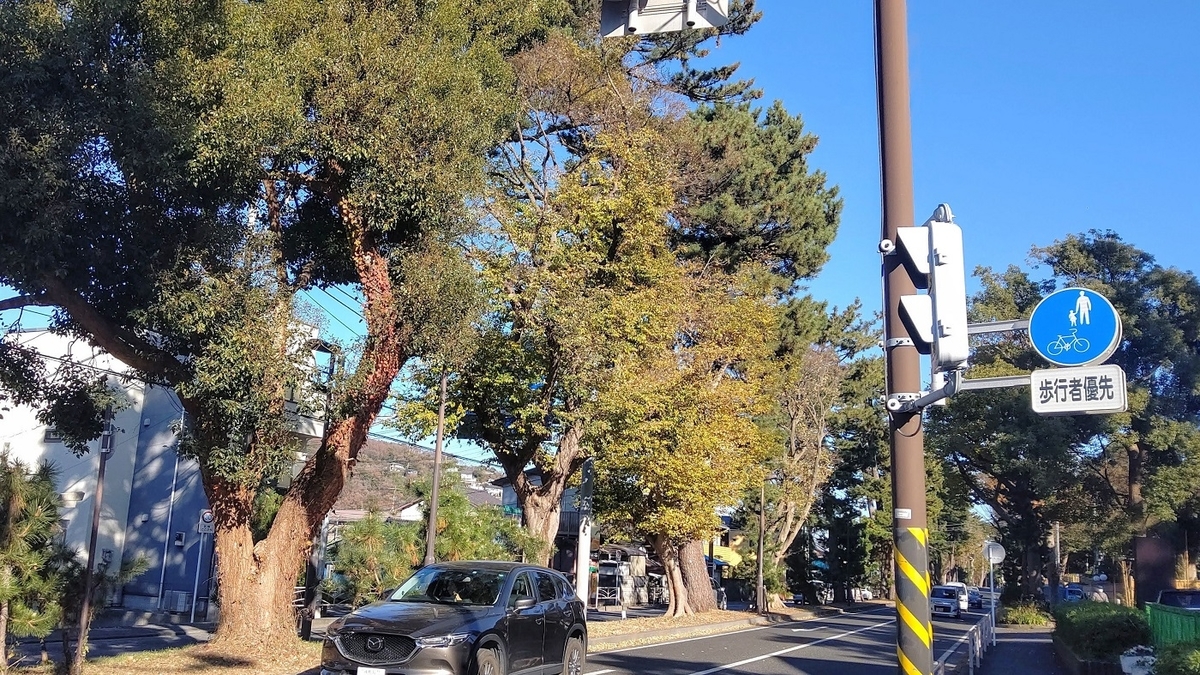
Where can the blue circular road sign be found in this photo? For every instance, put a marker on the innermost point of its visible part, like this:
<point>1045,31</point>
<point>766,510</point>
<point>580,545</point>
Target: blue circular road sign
<point>1075,327</point>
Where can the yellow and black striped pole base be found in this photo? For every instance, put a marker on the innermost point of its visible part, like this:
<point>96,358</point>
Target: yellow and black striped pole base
<point>914,638</point>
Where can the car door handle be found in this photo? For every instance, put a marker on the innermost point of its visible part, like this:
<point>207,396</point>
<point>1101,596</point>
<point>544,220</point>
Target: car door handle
<point>540,620</point>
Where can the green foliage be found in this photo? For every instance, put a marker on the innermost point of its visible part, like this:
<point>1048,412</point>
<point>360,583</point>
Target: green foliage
<point>375,555</point>
<point>1181,658</point>
<point>1024,614</point>
<point>29,504</point>
<point>756,200</point>
<point>1100,631</point>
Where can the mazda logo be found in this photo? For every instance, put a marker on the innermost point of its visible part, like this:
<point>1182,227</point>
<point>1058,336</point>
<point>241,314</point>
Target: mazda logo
<point>375,643</point>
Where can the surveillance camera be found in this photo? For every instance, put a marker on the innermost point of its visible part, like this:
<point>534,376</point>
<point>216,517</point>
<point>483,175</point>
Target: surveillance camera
<point>886,246</point>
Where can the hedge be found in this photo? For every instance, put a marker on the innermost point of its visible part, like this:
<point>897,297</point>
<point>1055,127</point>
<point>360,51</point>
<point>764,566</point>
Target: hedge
<point>1099,631</point>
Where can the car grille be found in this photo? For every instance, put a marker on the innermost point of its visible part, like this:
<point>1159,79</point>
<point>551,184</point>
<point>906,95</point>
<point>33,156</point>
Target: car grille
<point>360,647</point>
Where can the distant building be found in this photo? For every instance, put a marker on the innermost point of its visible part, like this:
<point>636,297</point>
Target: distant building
<point>152,497</point>
<point>567,540</point>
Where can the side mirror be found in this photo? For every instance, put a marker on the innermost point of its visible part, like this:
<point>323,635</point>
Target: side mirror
<point>524,602</point>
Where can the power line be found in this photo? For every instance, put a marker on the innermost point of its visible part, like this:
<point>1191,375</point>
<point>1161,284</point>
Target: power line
<point>332,315</point>
<point>469,460</point>
<point>346,293</point>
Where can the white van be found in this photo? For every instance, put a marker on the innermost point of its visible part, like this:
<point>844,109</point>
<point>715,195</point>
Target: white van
<point>964,598</point>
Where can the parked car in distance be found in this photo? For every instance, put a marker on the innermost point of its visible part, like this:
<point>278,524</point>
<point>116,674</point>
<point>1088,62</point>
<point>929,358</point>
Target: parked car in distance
<point>860,594</point>
<point>1073,594</point>
<point>974,597</point>
<point>944,601</point>
<point>1183,599</point>
<point>464,618</point>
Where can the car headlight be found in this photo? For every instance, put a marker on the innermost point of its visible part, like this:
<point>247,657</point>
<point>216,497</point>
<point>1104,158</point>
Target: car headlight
<point>445,640</point>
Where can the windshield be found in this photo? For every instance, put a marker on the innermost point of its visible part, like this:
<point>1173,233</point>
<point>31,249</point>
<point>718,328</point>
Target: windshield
<point>943,592</point>
<point>1188,599</point>
<point>451,586</point>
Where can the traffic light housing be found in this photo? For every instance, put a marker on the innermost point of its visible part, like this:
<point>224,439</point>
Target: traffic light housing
<point>937,322</point>
<point>639,17</point>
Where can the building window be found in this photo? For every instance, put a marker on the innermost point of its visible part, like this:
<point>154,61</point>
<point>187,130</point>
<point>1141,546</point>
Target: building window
<point>52,436</point>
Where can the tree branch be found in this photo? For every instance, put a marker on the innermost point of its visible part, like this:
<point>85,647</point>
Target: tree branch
<point>19,301</point>
<point>121,342</point>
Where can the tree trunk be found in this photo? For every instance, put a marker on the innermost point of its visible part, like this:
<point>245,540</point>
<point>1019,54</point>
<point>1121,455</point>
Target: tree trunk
<point>1137,459</point>
<point>668,553</point>
<point>541,504</point>
<point>257,581</point>
<point>4,636</point>
<point>695,577</point>
<point>543,512</point>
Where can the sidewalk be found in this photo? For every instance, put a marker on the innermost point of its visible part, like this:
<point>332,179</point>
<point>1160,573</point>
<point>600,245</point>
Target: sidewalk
<point>1021,651</point>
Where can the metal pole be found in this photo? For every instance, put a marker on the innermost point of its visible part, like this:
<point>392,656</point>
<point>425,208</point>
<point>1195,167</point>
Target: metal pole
<point>431,530</point>
<point>762,533</point>
<point>196,583</point>
<point>162,575</point>
<point>992,574</point>
<point>583,552</point>
<point>85,609</point>
<point>910,527</point>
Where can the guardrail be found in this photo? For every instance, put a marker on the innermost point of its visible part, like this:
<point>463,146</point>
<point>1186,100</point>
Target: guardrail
<point>977,640</point>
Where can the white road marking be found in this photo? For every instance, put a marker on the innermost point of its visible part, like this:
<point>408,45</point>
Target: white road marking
<point>789,650</point>
<point>601,672</point>
<point>737,632</point>
<point>806,630</point>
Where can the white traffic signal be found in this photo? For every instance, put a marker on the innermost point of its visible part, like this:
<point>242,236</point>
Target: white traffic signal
<point>639,17</point>
<point>948,289</point>
<point>937,322</point>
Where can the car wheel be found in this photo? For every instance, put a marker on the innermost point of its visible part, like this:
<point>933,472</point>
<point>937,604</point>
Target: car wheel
<point>488,662</point>
<point>575,658</point>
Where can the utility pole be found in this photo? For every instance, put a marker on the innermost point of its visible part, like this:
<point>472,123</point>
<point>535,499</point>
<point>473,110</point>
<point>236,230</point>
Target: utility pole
<point>85,608</point>
<point>431,530</point>
<point>316,553</point>
<point>914,637</point>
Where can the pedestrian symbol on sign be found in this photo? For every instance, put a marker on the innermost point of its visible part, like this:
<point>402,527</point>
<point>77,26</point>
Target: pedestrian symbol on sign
<point>1075,327</point>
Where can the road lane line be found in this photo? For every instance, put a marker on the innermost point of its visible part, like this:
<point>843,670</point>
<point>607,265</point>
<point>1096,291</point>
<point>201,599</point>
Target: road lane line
<point>789,650</point>
<point>601,672</point>
<point>805,630</point>
<point>736,632</point>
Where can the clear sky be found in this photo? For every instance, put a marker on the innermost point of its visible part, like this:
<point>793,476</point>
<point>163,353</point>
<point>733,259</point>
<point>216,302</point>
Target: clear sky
<point>1033,120</point>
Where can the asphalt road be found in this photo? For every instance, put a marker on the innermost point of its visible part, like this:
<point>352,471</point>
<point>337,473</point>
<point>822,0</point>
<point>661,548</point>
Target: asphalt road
<point>862,643</point>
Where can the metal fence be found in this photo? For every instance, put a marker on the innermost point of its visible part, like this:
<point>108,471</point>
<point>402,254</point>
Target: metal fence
<point>977,640</point>
<point>1169,625</point>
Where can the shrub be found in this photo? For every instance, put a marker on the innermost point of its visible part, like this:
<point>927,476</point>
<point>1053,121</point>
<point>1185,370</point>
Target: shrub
<point>1182,658</point>
<point>1099,631</point>
<point>1024,614</point>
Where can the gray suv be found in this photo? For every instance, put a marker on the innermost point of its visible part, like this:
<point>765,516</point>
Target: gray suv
<point>464,618</point>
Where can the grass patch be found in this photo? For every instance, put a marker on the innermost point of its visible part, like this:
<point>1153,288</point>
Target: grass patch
<point>301,658</point>
<point>1024,614</point>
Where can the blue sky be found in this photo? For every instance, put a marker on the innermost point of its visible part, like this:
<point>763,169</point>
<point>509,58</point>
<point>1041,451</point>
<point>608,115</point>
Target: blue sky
<point>1033,120</point>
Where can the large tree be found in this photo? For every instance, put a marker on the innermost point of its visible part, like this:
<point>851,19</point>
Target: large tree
<point>175,173</point>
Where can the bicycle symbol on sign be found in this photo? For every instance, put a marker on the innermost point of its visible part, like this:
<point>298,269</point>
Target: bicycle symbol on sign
<point>1066,343</point>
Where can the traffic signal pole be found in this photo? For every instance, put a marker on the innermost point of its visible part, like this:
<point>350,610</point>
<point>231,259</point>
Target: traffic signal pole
<point>914,639</point>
